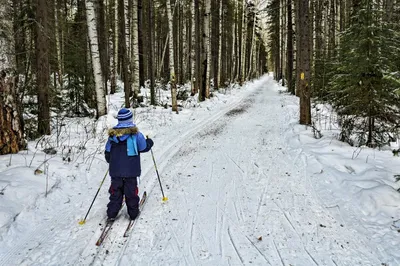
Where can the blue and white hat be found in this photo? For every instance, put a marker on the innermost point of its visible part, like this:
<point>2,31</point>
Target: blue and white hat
<point>125,118</point>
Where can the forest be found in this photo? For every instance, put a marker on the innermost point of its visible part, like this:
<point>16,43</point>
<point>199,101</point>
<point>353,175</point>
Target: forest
<point>63,57</point>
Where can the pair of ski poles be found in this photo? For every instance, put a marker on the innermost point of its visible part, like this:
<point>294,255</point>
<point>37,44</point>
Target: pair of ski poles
<point>82,222</point>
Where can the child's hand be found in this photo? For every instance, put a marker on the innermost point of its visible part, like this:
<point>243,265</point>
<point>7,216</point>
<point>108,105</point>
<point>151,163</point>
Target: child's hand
<point>149,135</point>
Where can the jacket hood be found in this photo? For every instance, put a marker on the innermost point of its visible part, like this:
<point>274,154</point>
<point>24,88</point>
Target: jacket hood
<point>118,132</point>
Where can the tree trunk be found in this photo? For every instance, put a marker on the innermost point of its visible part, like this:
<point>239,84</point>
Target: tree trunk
<point>94,48</point>
<point>140,43</point>
<point>180,45</point>
<point>114,56</point>
<point>42,68</point>
<point>282,42</point>
<point>235,41</point>
<point>207,33</point>
<point>11,128</point>
<point>193,49</point>
<point>304,64</point>
<point>278,72</point>
<point>103,43</point>
<point>244,42</point>
<point>240,40</point>
<point>214,38</point>
<point>289,60</point>
<point>58,35</point>
<point>124,53</point>
<point>151,55</point>
<point>135,50</point>
<point>252,47</point>
<point>298,46</point>
<point>128,30</point>
<point>11,122</point>
<point>332,29</point>
<point>311,30</point>
<point>172,77</point>
<point>319,54</point>
<point>342,20</point>
<point>203,54</point>
<point>198,51</point>
<point>219,82</point>
<point>20,38</point>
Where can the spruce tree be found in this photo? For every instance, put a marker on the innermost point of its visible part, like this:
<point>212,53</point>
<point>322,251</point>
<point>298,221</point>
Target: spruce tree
<point>363,87</point>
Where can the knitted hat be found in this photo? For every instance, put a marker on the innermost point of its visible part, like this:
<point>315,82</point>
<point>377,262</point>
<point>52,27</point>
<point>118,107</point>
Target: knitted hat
<point>125,118</point>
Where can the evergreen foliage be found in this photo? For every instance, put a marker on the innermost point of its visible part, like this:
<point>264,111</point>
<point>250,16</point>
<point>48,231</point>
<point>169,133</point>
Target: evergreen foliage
<point>365,78</point>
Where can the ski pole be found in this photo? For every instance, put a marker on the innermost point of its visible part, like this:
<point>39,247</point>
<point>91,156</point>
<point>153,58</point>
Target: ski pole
<point>158,176</point>
<point>82,222</point>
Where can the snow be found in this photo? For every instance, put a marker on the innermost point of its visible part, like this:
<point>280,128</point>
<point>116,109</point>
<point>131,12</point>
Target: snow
<point>246,185</point>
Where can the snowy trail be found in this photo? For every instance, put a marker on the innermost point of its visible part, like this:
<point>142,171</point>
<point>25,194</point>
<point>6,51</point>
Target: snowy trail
<point>57,239</point>
<point>239,202</point>
<point>238,195</point>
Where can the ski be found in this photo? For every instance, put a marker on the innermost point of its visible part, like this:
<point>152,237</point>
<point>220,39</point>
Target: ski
<point>133,222</point>
<point>104,233</point>
<point>109,224</point>
<point>107,228</point>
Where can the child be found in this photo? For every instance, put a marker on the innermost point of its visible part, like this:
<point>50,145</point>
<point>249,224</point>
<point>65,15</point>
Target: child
<point>123,148</point>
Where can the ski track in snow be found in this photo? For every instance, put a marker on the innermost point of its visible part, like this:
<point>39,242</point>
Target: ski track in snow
<point>294,226</point>
<point>255,204</point>
<point>166,153</point>
<point>31,244</point>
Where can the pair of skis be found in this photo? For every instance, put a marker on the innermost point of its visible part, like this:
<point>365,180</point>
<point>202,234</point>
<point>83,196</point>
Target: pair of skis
<point>109,224</point>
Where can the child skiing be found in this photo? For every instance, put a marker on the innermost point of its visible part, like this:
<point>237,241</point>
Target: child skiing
<point>123,148</point>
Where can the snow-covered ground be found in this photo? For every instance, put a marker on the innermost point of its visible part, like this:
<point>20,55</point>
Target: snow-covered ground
<point>246,185</point>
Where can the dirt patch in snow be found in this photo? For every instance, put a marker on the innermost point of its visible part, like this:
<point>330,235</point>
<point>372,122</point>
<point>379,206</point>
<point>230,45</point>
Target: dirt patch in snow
<point>213,130</point>
<point>237,111</point>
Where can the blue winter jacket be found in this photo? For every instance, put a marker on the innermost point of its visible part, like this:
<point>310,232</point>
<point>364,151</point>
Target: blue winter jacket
<point>123,150</point>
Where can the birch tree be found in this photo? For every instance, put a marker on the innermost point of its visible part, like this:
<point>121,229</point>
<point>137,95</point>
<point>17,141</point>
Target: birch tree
<point>172,77</point>
<point>95,55</point>
<point>135,50</point>
<point>11,127</point>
